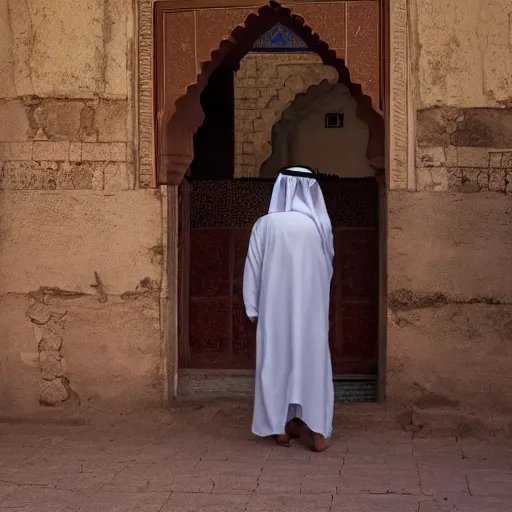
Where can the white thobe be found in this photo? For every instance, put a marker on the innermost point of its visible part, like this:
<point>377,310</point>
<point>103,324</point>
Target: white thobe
<point>286,286</point>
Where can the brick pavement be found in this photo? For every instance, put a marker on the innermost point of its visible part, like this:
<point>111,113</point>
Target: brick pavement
<point>152,466</point>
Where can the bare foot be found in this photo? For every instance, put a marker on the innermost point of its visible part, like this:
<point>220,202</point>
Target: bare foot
<point>319,442</point>
<point>283,440</point>
<point>293,428</point>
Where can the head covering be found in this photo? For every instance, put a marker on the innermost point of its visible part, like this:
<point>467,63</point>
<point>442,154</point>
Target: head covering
<point>296,190</point>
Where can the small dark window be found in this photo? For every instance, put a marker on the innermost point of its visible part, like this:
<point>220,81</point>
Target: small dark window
<point>334,120</point>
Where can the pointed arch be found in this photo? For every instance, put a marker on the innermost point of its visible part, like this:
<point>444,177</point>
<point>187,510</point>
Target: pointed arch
<point>175,150</point>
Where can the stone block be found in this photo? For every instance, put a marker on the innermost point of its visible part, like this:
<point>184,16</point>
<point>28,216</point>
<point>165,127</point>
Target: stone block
<point>21,151</point>
<point>262,102</point>
<point>112,501</point>
<point>380,478</point>
<point>484,127</point>
<point>74,175</point>
<point>21,176</point>
<point>249,171</point>
<point>233,485</point>
<point>244,125</point>
<point>506,159</point>
<point>50,151</point>
<point>75,151</point>
<point>248,160</point>
<point>110,120</point>
<point>55,392</point>
<point>489,482</point>
<point>296,502</point>
<point>248,69</point>
<point>59,119</point>
<point>246,83</point>
<point>473,157</point>
<point>5,151</point>
<point>247,114</point>
<point>116,177</point>
<point>39,313</point>
<point>320,484</point>
<point>50,341</point>
<point>104,151</point>
<point>451,156</point>
<point>468,180</point>
<point>259,125</point>
<point>204,502</point>
<point>441,476</point>
<point>84,482</point>
<point>431,157</point>
<point>285,484</point>
<point>51,367</point>
<point>245,94</point>
<point>498,180</point>
<point>432,179</point>
<point>264,82</point>
<point>267,70</point>
<point>495,158</point>
<point>508,182</point>
<point>15,125</point>
<point>44,499</point>
<point>364,502</point>
<point>248,148</point>
<point>245,105</point>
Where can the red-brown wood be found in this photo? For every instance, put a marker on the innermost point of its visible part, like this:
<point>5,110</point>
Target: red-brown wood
<point>184,272</point>
<point>221,336</point>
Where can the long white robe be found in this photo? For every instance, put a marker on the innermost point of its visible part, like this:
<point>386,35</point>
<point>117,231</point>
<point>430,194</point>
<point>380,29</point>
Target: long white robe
<point>286,287</point>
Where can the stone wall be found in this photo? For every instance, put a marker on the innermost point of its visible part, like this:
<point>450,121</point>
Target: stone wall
<point>81,252</point>
<point>450,239</point>
<point>465,150</point>
<point>265,85</point>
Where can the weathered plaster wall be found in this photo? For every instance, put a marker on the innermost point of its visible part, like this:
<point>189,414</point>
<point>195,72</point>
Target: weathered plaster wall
<point>464,53</point>
<point>450,302</point>
<point>70,208</point>
<point>449,289</point>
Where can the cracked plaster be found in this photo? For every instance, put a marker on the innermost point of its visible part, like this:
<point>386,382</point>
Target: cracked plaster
<point>465,53</point>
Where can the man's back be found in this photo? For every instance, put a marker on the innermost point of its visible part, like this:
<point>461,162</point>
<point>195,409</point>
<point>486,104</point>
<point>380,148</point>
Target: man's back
<point>293,269</point>
<point>286,288</point>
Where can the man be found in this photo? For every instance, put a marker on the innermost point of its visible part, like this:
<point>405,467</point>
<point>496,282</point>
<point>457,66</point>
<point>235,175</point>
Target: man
<point>287,279</point>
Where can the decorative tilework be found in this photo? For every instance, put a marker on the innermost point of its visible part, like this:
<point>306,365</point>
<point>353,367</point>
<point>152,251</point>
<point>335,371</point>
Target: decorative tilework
<point>279,39</point>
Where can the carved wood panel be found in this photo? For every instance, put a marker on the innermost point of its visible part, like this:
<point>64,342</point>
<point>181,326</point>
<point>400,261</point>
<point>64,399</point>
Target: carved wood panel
<point>221,217</point>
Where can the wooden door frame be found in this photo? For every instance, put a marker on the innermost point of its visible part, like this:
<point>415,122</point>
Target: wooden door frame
<point>183,292</point>
<point>174,333</point>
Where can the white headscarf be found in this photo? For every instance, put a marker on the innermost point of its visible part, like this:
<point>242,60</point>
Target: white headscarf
<point>304,195</point>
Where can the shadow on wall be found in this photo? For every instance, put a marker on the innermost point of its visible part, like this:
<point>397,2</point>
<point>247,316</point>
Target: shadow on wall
<point>320,129</point>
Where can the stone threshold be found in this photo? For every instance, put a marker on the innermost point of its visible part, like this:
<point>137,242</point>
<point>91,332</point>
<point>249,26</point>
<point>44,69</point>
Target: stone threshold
<point>206,384</point>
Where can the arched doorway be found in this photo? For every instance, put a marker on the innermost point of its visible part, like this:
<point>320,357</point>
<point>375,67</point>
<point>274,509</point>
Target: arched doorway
<point>217,213</point>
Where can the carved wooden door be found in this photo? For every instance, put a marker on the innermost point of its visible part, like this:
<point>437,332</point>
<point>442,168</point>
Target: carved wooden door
<point>222,213</point>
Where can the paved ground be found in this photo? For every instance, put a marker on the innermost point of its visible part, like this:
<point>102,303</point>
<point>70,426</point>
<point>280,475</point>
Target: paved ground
<point>153,465</point>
